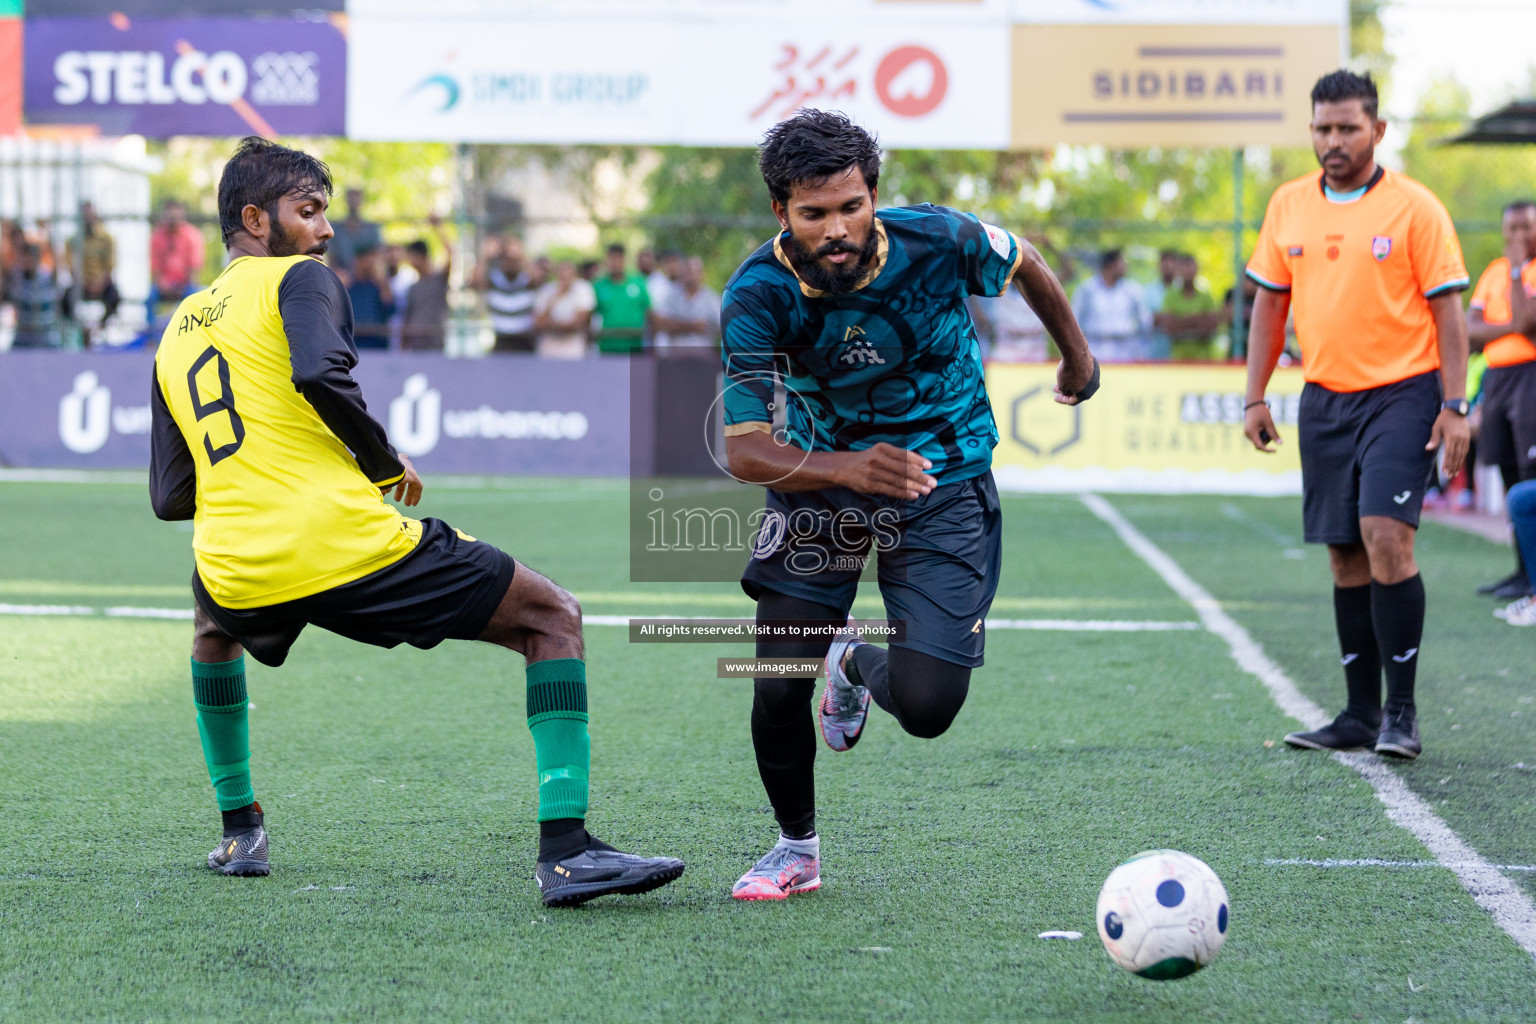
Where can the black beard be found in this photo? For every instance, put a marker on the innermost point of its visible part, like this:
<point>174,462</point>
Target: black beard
<point>281,243</point>
<point>839,280</point>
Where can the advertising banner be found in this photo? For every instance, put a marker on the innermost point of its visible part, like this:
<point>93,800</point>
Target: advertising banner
<point>704,82</point>
<point>203,76</point>
<point>1151,429</point>
<point>10,73</point>
<point>921,73</point>
<point>508,415</point>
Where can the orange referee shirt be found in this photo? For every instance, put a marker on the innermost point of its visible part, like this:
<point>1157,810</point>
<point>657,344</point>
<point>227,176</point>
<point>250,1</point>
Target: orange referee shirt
<point>1491,296</point>
<point>1360,269</point>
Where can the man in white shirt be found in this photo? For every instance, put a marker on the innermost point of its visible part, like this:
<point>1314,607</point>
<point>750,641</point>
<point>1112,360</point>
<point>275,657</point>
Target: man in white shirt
<point>1113,312</point>
<point>562,313</point>
<point>688,321</point>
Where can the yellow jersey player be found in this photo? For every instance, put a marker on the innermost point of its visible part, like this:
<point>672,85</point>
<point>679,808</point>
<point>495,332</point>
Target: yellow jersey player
<point>262,439</point>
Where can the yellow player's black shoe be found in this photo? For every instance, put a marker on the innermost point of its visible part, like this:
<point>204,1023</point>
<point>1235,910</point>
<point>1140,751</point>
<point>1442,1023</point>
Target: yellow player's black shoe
<point>600,870</point>
<point>243,852</point>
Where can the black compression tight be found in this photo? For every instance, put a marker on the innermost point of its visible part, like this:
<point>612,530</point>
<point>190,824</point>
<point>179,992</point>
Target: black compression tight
<point>924,694</point>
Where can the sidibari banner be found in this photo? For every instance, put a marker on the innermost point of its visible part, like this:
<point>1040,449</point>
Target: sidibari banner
<point>510,415</point>
<point>173,76</point>
<point>1150,429</point>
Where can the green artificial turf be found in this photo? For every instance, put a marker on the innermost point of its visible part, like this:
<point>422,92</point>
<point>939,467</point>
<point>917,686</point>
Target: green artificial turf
<point>400,794</point>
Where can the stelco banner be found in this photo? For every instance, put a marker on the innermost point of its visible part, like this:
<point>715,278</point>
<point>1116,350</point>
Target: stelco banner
<point>921,73</point>
<point>1150,429</point>
<point>510,415</point>
<point>205,76</point>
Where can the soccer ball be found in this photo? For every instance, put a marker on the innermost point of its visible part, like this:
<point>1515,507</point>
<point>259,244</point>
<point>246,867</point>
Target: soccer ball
<point>1163,914</point>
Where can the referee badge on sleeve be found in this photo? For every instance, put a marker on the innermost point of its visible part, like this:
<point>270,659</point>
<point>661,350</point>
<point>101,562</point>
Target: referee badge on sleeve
<point>1381,248</point>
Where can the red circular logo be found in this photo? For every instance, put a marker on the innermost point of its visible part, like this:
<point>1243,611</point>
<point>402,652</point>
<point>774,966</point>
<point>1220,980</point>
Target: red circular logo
<point>909,103</point>
<point>1333,252</point>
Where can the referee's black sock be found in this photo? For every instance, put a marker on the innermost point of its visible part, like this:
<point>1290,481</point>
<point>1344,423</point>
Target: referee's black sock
<point>1358,652</point>
<point>1397,610</point>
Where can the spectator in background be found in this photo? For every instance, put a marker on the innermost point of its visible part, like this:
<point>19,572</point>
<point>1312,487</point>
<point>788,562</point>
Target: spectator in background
<point>34,291</point>
<point>352,235</point>
<point>372,301</point>
<point>1113,313</point>
<point>176,255</point>
<point>588,270</point>
<point>542,272</point>
<point>623,306</point>
<point>562,314</point>
<point>1501,323</point>
<point>424,328</point>
<point>401,276</point>
<point>97,258</point>
<point>1189,318</point>
<point>688,322</point>
<point>656,281</point>
<point>1250,292</point>
<point>502,275</point>
<point>1160,343</point>
<point>1522,516</point>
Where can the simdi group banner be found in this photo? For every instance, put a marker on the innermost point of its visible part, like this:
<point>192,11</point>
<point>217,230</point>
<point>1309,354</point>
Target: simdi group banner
<point>1151,429</point>
<point>921,73</point>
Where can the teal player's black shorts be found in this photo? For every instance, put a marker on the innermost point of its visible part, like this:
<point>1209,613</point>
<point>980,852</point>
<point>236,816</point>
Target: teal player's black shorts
<point>937,558</point>
<point>447,588</point>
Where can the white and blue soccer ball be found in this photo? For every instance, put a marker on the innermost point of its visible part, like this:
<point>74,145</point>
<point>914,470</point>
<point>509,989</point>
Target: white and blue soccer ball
<point>1163,914</point>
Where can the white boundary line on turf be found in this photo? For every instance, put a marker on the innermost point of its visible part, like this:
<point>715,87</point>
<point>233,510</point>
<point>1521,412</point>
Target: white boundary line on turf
<point>1058,625</point>
<point>1511,908</point>
<point>1376,862</point>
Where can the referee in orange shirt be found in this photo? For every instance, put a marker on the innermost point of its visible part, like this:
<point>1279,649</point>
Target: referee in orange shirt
<point>1501,323</point>
<point>1370,263</point>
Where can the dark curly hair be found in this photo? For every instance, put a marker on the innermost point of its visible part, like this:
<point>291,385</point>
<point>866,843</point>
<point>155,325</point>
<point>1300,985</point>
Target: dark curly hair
<point>811,147</point>
<point>1340,85</point>
<point>259,174</point>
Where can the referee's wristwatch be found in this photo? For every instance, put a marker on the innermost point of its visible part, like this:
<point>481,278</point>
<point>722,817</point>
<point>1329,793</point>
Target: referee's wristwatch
<point>1459,406</point>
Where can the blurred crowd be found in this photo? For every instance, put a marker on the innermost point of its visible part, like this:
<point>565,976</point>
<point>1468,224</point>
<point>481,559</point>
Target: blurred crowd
<point>409,297</point>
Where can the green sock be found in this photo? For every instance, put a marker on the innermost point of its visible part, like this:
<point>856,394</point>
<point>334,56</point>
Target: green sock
<point>218,691</point>
<point>557,717</point>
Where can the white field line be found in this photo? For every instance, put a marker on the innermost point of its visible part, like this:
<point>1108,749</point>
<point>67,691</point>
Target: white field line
<point>1058,625</point>
<point>1511,908</point>
<point>1376,862</point>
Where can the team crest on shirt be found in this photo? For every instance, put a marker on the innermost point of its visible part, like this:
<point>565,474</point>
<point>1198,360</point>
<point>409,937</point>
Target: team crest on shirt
<point>1381,248</point>
<point>857,349</point>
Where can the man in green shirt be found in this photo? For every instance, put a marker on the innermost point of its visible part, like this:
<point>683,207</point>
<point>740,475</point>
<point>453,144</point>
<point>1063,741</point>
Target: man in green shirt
<point>1189,315</point>
<point>623,304</point>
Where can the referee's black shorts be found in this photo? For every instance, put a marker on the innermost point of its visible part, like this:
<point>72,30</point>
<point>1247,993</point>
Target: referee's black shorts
<point>1508,433</point>
<point>447,588</point>
<point>1362,454</point>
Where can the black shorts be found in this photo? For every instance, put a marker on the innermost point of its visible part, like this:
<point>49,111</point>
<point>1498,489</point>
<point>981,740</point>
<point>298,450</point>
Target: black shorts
<point>937,563</point>
<point>447,588</point>
<point>1508,433</point>
<point>1362,454</point>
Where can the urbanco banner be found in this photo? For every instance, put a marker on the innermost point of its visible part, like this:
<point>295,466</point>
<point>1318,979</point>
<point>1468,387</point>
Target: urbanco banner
<point>511,414</point>
<point>638,78</point>
<point>187,76</point>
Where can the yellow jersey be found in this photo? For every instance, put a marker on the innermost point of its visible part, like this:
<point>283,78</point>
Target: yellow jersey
<point>261,436</point>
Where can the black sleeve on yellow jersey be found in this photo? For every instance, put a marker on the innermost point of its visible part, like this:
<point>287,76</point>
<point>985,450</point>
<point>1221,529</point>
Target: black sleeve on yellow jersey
<point>172,472</point>
<point>317,317</point>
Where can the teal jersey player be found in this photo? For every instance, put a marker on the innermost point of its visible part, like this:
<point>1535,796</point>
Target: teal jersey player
<point>887,444</point>
<point>895,360</point>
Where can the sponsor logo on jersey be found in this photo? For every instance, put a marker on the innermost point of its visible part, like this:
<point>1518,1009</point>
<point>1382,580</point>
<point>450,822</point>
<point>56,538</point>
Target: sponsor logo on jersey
<point>1294,250</point>
<point>857,350</point>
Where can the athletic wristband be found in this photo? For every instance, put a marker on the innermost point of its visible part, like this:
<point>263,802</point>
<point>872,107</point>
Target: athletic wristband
<point>1250,405</point>
<point>1516,273</point>
<point>1088,390</point>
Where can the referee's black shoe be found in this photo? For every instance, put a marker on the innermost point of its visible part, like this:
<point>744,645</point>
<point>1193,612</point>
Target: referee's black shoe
<point>1399,735</point>
<point>1345,732</point>
<point>1516,584</point>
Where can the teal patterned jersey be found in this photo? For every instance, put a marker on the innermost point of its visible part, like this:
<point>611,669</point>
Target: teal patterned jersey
<point>895,360</point>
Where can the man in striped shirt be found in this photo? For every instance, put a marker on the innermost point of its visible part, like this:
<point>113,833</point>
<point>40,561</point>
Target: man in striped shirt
<point>504,278</point>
